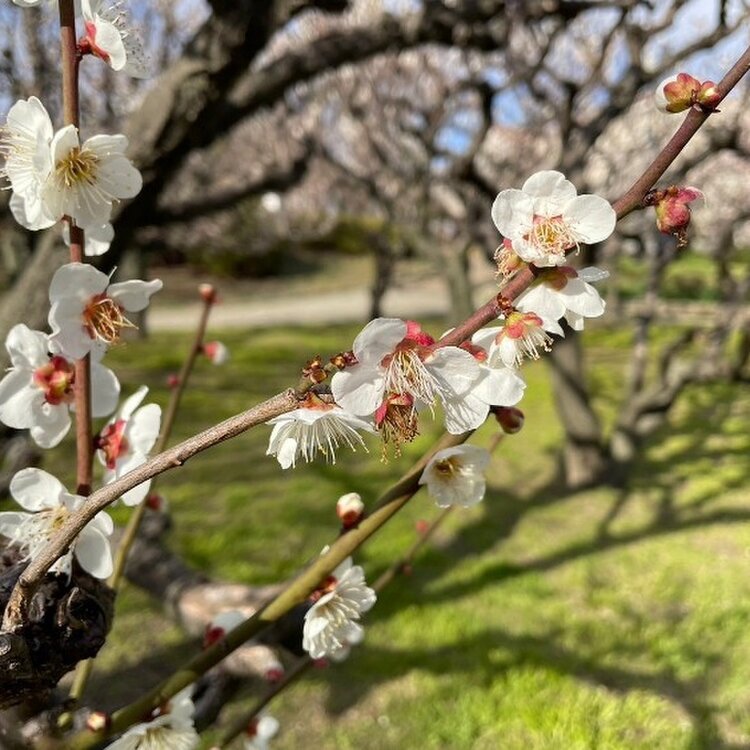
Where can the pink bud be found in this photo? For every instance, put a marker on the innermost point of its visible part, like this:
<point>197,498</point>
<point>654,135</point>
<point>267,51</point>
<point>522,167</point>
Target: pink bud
<point>274,674</point>
<point>173,380</point>
<point>216,352</point>
<point>509,418</point>
<point>320,663</point>
<point>208,293</point>
<point>349,509</point>
<point>673,210</point>
<point>422,526</point>
<point>683,91</point>
<point>156,502</point>
<point>678,93</point>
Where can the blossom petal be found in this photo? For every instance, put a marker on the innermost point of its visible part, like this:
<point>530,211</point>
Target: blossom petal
<point>134,295</point>
<point>513,213</point>
<point>143,428</point>
<point>358,389</point>
<point>590,218</point>
<point>35,489</point>
<point>378,338</point>
<point>93,552</point>
<point>17,395</point>
<point>105,390</point>
<point>50,425</point>
<point>551,192</point>
<point>26,348</point>
<point>455,369</point>
<point>79,280</point>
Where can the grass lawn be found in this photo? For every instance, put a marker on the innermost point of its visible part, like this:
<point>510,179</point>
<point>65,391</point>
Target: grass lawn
<point>537,620</point>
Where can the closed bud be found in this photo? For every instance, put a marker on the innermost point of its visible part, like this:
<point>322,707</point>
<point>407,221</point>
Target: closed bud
<point>173,380</point>
<point>275,674</point>
<point>673,210</point>
<point>208,293</point>
<point>349,509</point>
<point>509,418</point>
<point>216,352</point>
<point>422,526</point>
<point>98,721</point>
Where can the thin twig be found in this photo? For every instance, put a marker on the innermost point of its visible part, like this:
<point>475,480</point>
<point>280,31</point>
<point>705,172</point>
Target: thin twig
<point>71,116</point>
<point>84,669</point>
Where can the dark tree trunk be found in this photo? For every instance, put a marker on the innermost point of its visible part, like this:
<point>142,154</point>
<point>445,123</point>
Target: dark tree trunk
<point>583,459</point>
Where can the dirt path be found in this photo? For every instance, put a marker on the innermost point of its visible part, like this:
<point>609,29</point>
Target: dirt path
<point>425,299</point>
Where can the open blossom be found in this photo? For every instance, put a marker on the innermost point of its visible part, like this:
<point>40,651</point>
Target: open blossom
<point>87,312</point>
<point>37,393</point>
<point>87,178</point>
<point>316,427</point>
<point>49,505</point>
<point>395,357</point>
<point>260,732</point>
<point>172,729</point>
<point>331,622</point>
<point>25,144</point>
<point>109,38</point>
<point>563,292</point>
<point>522,335</point>
<point>125,441</point>
<point>455,476</point>
<point>497,385</point>
<point>546,219</point>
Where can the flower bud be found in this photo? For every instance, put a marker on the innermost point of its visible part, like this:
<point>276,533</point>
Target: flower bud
<point>220,626</point>
<point>216,352</point>
<point>208,293</point>
<point>173,380</point>
<point>349,509</point>
<point>509,418</point>
<point>673,210</point>
<point>422,526</point>
<point>156,502</point>
<point>274,674</point>
<point>98,721</point>
<point>683,91</point>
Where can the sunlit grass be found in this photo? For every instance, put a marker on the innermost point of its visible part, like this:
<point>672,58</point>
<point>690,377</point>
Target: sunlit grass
<point>535,620</point>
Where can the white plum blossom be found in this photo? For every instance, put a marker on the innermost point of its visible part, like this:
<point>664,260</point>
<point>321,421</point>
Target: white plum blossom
<point>395,359</point>
<point>86,179</point>
<point>260,732</point>
<point>342,653</point>
<point>316,427</point>
<point>546,218</point>
<point>497,385</point>
<point>87,313</point>
<point>331,622</point>
<point>109,38</point>
<point>37,393</point>
<point>125,441</point>
<point>216,352</point>
<point>172,729</point>
<point>455,476</point>
<point>522,335</point>
<point>49,505</point>
<point>563,292</point>
<point>25,143</point>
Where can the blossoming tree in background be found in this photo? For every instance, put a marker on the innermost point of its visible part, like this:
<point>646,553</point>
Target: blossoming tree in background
<point>393,378</point>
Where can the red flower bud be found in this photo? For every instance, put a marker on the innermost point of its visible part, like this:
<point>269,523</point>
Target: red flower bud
<point>208,293</point>
<point>509,418</point>
<point>349,509</point>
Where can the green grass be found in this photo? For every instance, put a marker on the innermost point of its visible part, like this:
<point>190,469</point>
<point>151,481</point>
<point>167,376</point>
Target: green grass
<point>537,620</point>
